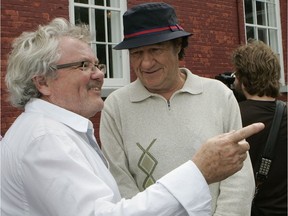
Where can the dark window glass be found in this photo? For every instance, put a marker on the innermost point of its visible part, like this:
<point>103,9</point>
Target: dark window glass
<point>249,12</point>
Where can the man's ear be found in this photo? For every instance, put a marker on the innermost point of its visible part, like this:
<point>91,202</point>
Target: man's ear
<point>41,84</point>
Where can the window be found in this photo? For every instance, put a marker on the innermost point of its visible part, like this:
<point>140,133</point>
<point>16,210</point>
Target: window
<point>262,22</point>
<point>104,18</point>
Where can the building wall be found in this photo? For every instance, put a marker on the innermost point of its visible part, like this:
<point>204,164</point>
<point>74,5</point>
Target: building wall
<point>284,26</point>
<point>16,17</point>
<point>217,27</point>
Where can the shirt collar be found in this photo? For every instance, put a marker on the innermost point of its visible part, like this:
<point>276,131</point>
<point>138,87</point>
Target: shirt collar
<point>73,120</point>
<point>192,85</point>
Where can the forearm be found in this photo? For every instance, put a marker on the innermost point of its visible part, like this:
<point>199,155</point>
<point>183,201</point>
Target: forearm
<point>183,191</point>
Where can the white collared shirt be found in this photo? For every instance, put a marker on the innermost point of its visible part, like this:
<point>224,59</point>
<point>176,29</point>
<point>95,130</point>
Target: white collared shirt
<point>48,168</point>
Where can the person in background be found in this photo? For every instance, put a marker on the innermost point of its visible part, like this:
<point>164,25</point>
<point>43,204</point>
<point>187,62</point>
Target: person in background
<point>157,122</point>
<point>257,74</point>
<point>51,163</point>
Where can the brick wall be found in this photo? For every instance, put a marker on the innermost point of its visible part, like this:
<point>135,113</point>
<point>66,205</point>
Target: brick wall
<point>218,28</point>
<point>16,17</point>
<point>284,26</point>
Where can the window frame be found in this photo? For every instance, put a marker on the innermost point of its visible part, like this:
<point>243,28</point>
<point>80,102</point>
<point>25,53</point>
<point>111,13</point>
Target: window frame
<point>122,62</point>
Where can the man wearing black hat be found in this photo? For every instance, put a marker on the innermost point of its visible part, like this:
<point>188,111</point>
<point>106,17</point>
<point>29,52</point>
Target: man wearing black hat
<point>154,124</point>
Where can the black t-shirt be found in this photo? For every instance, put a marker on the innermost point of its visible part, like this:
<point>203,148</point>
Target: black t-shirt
<point>272,195</point>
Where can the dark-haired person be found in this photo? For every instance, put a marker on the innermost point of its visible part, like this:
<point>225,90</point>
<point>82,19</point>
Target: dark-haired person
<point>51,164</point>
<point>257,74</point>
<point>154,124</point>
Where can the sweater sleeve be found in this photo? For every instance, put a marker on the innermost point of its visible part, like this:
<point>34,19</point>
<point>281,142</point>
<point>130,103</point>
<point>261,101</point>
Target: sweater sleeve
<point>113,149</point>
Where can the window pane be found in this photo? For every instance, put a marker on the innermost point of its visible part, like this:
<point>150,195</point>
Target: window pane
<point>110,73</point>
<point>273,40</point>
<point>271,15</point>
<point>100,52</point>
<point>99,2</point>
<point>81,15</point>
<point>114,24</point>
<point>249,11</point>
<point>113,3</point>
<point>260,10</point>
<point>81,1</point>
<point>262,35</point>
<point>250,32</point>
<point>115,63</point>
<point>100,25</point>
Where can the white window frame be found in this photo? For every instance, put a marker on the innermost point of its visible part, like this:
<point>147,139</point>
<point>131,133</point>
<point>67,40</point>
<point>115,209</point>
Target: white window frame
<point>120,57</point>
<point>276,43</point>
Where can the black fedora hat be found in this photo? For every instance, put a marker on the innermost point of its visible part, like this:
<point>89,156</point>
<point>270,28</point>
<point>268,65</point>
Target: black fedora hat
<point>150,23</point>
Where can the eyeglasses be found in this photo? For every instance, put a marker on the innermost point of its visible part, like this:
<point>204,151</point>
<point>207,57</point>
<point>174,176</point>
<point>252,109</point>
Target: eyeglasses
<point>83,65</point>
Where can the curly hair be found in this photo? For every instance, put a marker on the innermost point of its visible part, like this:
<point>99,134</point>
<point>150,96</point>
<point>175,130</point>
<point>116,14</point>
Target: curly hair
<point>32,55</point>
<point>257,67</point>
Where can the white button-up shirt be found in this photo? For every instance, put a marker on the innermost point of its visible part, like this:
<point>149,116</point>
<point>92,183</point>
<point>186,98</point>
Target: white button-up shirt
<point>49,168</point>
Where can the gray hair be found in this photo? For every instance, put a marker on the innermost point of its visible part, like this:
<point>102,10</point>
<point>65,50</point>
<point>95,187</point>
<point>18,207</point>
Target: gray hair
<point>32,55</point>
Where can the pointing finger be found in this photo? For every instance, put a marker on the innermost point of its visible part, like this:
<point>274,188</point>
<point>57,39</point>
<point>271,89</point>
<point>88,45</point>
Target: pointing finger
<point>247,131</point>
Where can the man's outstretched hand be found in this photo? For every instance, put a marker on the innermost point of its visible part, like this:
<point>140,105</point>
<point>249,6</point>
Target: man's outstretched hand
<point>223,155</point>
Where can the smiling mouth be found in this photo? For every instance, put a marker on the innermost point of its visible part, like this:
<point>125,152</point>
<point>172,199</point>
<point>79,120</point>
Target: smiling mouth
<point>95,89</point>
<point>150,72</point>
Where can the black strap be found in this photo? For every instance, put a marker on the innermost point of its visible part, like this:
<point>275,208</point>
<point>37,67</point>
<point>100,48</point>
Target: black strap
<point>268,153</point>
